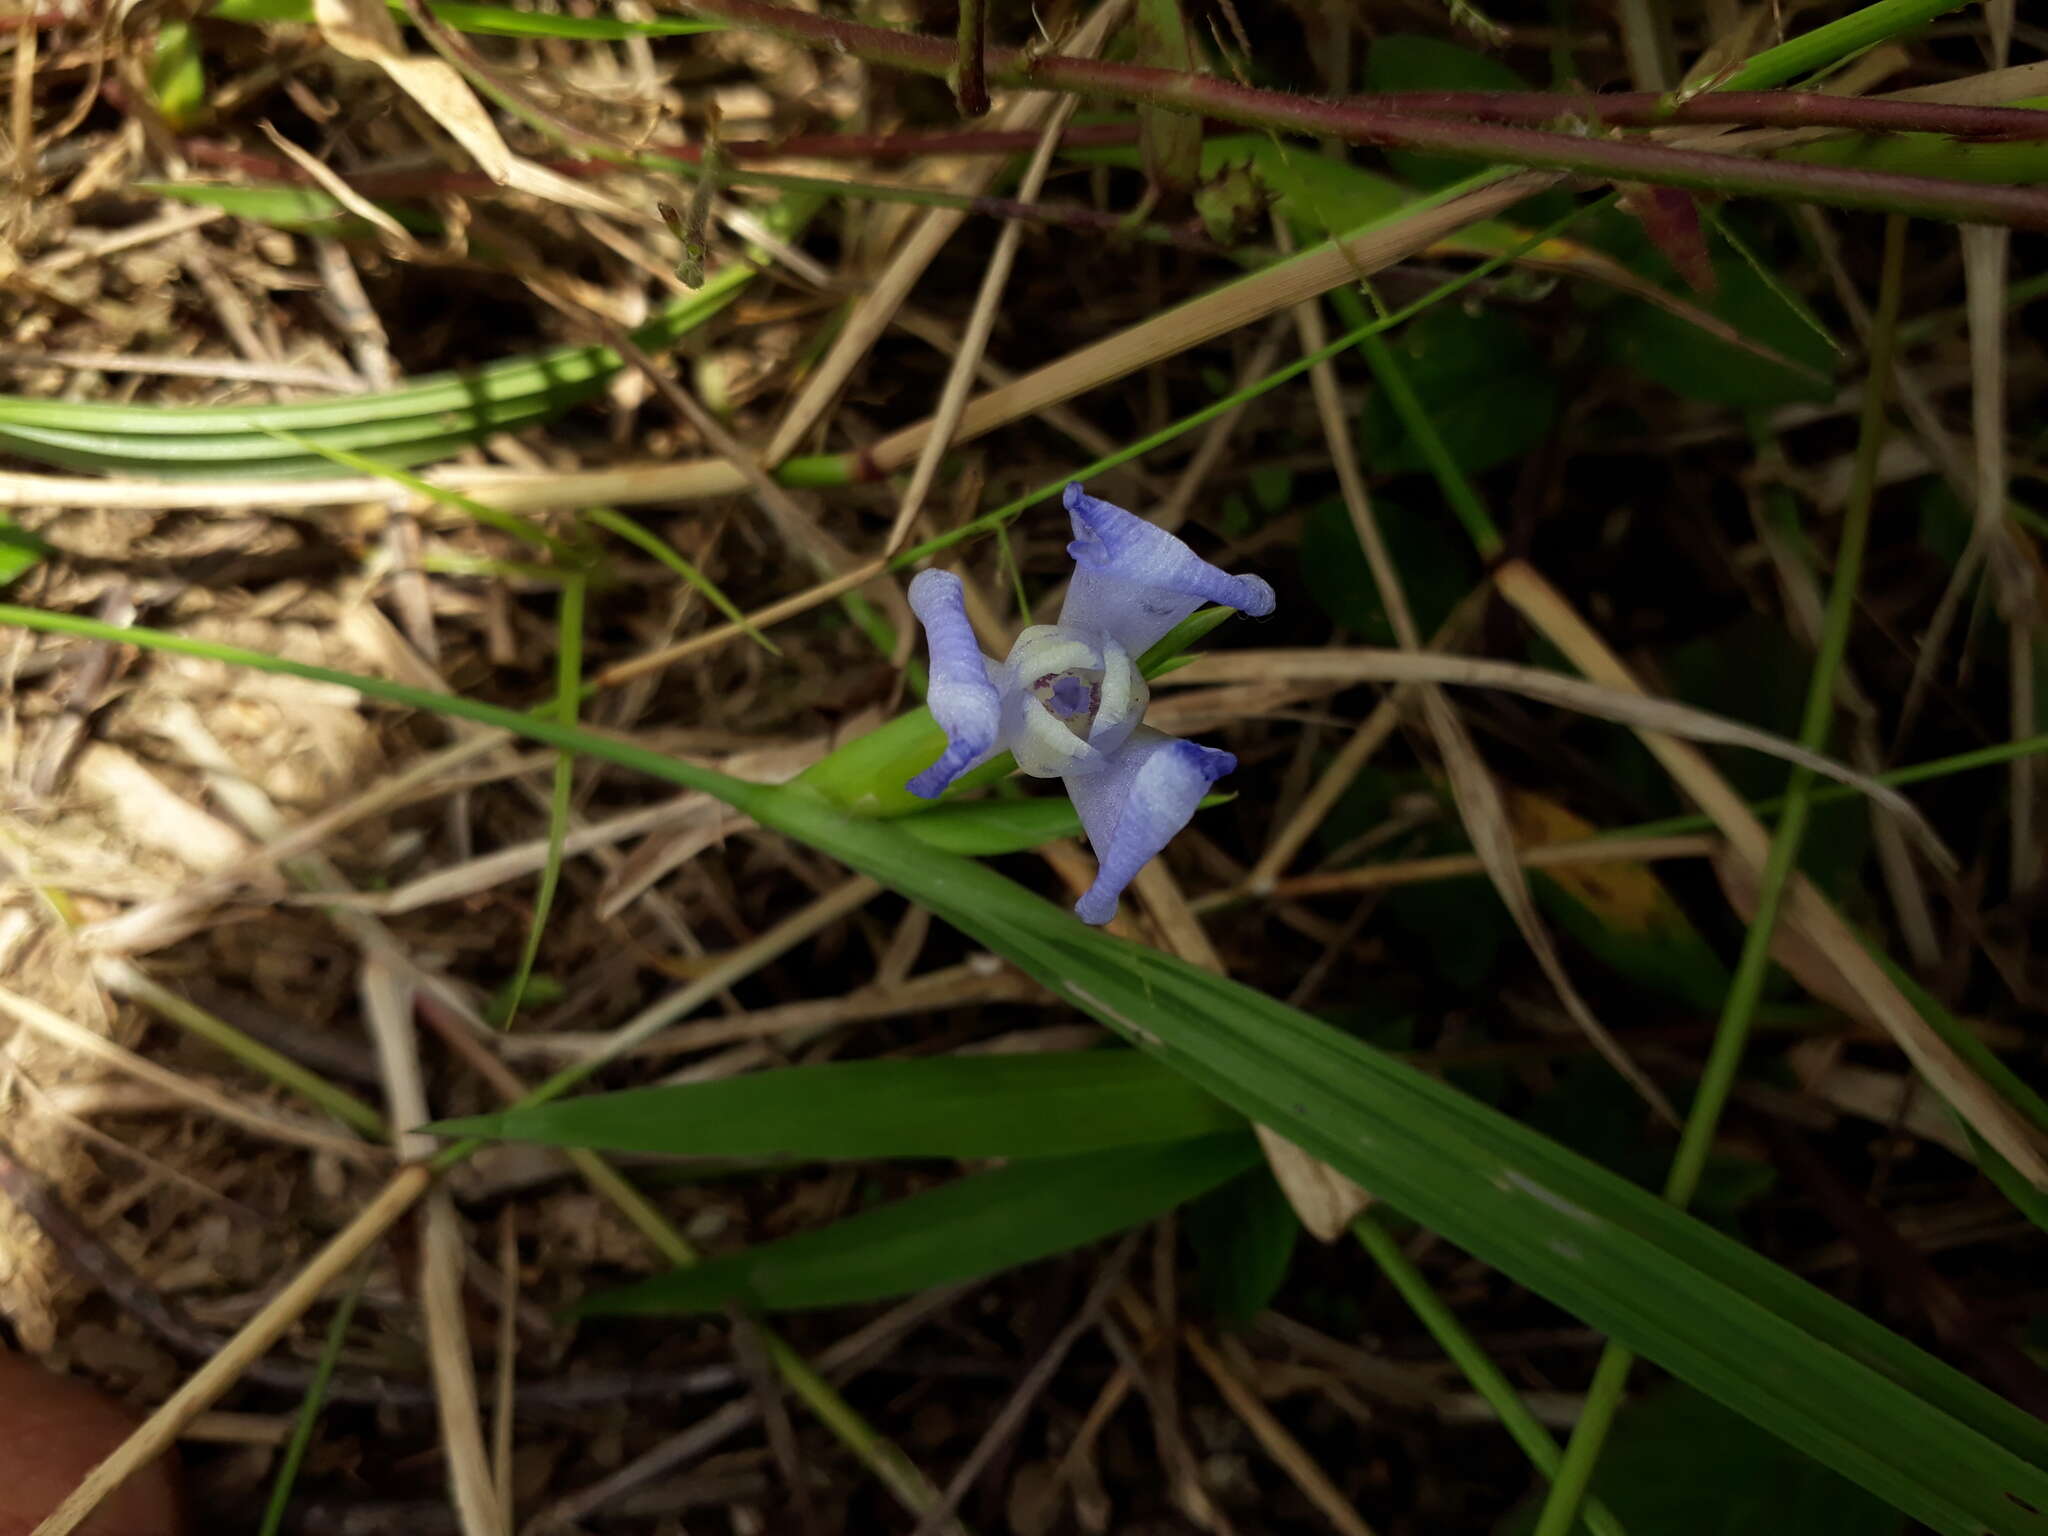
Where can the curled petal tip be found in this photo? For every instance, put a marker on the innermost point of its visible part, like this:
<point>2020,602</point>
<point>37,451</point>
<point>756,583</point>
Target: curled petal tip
<point>1133,810</point>
<point>963,700</point>
<point>1097,907</point>
<point>1256,596</point>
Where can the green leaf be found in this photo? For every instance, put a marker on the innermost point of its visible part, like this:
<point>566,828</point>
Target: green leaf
<point>1689,362</point>
<point>1435,564</point>
<point>488,20</point>
<point>177,75</point>
<point>1171,142</point>
<point>1407,62</point>
<point>20,550</point>
<point>964,1230</point>
<point>1057,1104</point>
<point>305,209</point>
<point>1243,1236</point>
<point>1486,388</point>
<point>1826,1379</point>
<point>1679,1464</point>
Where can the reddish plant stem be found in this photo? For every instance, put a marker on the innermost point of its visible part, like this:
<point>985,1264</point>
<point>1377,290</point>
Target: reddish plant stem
<point>1754,109</point>
<point>969,74</point>
<point>1358,123</point>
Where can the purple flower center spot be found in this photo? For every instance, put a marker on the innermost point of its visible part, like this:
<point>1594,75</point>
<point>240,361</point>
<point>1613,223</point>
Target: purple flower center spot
<point>1071,697</point>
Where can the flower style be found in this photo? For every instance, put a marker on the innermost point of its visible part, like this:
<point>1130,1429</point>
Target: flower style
<point>1069,702</point>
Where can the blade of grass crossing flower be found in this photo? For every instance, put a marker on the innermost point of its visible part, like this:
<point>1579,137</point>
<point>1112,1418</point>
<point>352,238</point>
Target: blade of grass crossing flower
<point>568,680</point>
<point>1487,1379</point>
<point>670,556</point>
<point>309,1409</point>
<point>1828,1380</point>
<point>1745,989</point>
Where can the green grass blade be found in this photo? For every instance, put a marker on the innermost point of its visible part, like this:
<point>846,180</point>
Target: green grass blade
<point>668,555</point>
<point>1056,1105</point>
<point>426,420</point>
<point>1487,1379</point>
<point>1829,1381</point>
<point>982,829</point>
<point>976,1226</point>
<point>307,210</point>
<point>309,1410</point>
<point>485,20</point>
<point>568,681</point>
<point>522,528</point>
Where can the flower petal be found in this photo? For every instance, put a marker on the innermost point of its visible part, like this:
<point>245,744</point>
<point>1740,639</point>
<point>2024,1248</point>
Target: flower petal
<point>1124,698</point>
<point>1135,582</point>
<point>1132,808</point>
<point>967,706</point>
<point>1044,746</point>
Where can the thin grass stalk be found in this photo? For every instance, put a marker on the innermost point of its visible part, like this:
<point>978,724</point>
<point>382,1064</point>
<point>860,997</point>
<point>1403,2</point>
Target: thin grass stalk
<point>568,686</point>
<point>1724,1061</point>
<point>1464,1351</point>
<point>308,1421</point>
<point>126,979</point>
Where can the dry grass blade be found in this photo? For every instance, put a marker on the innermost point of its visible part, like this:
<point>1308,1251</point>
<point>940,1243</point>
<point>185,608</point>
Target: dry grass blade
<point>270,1124</point>
<point>204,1388</point>
<point>1630,707</point>
<point>980,322</point>
<point>878,305</point>
<point>1451,866</point>
<point>1222,311</point>
<point>365,30</point>
<point>1878,998</point>
<point>1286,1451</point>
<point>1477,797</point>
<point>388,1005</point>
<point>1486,821</point>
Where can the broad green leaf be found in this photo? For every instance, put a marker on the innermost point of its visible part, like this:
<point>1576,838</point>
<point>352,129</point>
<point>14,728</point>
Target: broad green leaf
<point>1831,1382</point>
<point>489,20</point>
<point>1057,1104</point>
<point>1406,61</point>
<point>1243,1236</point>
<point>1679,1464</point>
<point>975,1226</point>
<point>1486,388</point>
<point>1435,564</point>
<point>1689,362</point>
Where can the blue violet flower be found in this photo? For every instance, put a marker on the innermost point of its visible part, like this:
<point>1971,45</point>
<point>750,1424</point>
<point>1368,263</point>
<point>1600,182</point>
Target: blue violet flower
<point>1068,700</point>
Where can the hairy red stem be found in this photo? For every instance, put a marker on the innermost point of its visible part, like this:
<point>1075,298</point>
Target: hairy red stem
<point>1358,123</point>
<point>1756,109</point>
